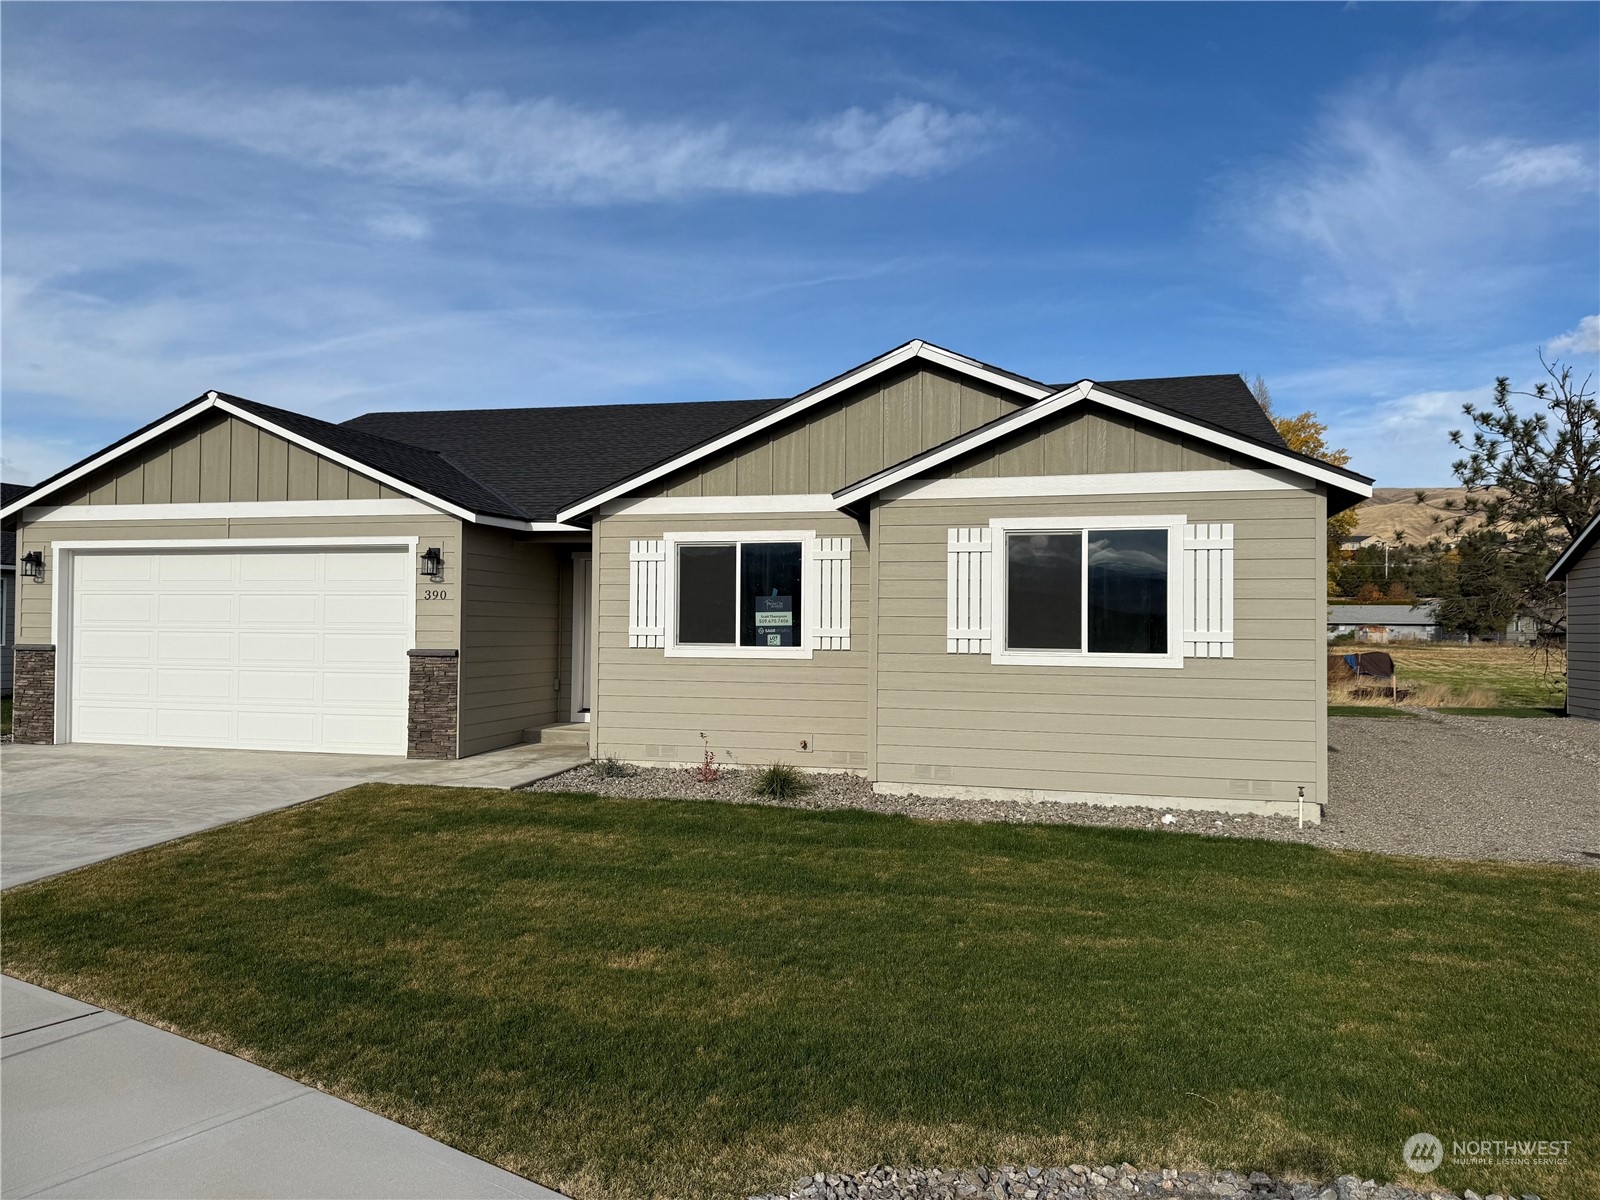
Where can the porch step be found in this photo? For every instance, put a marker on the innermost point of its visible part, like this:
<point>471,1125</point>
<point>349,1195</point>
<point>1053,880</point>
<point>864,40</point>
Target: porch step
<point>573,733</point>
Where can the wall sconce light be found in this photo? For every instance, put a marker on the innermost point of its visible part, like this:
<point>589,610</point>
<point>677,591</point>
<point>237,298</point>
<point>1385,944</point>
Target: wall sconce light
<point>433,562</point>
<point>33,565</point>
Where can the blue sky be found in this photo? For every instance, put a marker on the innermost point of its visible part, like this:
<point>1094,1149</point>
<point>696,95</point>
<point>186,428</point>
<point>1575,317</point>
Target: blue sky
<point>338,208</point>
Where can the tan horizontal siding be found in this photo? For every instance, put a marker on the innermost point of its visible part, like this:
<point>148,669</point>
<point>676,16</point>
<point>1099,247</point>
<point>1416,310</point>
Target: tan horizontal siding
<point>510,664</point>
<point>961,720</point>
<point>438,621</point>
<point>753,711</point>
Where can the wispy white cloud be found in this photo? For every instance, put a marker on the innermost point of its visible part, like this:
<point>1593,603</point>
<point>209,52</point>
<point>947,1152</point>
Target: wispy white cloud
<point>1585,339</point>
<point>539,150</point>
<point>398,225</point>
<point>1408,198</point>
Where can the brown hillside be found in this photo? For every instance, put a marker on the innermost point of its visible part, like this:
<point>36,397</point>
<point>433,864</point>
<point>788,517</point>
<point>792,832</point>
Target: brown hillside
<point>1396,508</point>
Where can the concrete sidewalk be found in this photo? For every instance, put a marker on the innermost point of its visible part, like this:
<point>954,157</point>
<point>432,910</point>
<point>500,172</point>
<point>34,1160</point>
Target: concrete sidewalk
<point>67,806</point>
<point>96,1104</point>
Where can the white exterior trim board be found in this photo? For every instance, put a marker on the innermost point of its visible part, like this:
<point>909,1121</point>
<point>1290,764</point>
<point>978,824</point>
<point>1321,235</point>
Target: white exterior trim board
<point>820,502</point>
<point>236,510</point>
<point>1124,483</point>
<point>669,596</point>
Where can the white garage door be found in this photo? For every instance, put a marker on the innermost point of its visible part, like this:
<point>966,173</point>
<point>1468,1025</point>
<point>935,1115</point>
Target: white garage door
<point>257,649</point>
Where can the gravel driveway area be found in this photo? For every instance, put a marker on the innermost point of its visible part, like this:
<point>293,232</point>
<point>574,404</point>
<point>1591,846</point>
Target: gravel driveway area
<point>1516,789</point>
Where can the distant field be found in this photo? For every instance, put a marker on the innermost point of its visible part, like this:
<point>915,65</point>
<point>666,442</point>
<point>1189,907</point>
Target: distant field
<point>1476,676</point>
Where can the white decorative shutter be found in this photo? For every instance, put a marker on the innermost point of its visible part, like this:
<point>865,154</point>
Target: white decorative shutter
<point>830,593</point>
<point>970,611</point>
<point>647,562</point>
<point>1208,591</point>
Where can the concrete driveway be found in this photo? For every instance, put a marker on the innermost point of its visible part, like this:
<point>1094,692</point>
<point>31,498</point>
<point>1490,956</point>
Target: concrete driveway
<point>67,806</point>
<point>95,1104</point>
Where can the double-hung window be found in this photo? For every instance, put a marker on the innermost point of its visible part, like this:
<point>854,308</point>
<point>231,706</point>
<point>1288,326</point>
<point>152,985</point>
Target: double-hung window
<point>1095,592</point>
<point>737,595</point>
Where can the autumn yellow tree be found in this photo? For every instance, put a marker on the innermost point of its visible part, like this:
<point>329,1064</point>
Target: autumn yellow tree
<point>1304,434</point>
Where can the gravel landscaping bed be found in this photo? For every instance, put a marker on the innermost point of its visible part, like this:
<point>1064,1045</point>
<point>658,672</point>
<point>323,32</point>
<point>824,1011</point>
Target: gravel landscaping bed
<point>1436,785</point>
<point>1091,1183</point>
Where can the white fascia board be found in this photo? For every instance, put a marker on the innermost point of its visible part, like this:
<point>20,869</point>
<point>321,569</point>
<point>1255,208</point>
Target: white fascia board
<point>911,350</point>
<point>819,502</point>
<point>229,510</point>
<point>1123,483</point>
<point>1571,551</point>
<point>100,460</point>
<point>1089,390</point>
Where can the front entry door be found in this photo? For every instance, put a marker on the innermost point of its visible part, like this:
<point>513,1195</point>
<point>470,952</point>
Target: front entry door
<point>580,637</point>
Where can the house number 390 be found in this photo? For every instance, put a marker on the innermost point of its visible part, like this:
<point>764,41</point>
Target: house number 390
<point>435,594</point>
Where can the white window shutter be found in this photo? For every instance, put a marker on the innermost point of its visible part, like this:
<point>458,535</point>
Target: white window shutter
<point>970,608</point>
<point>1208,591</point>
<point>830,593</point>
<point>647,562</point>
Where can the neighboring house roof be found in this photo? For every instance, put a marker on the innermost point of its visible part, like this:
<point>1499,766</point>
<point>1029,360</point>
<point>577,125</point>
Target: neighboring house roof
<point>8,537</point>
<point>1425,613</point>
<point>545,458</point>
<point>1580,546</point>
<point>540,467</point>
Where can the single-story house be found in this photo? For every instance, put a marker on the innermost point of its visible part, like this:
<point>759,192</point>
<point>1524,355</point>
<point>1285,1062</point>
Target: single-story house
<point>1417,622</point>
<point>8,585</point>
<point>1579,566</point>
<point>929,571</point>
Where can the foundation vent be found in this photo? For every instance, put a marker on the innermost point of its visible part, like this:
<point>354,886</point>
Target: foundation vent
<point>850,758</point>
<point>1250,787</point>
<point>924,771</point>
<point>670,753</point>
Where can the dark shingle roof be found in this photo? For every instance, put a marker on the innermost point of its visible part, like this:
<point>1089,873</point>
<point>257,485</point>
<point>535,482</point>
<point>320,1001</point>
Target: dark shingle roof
<point>8,537</point>
<point>546,458</point>
<point>1220,400</point>
<point>423,467</point>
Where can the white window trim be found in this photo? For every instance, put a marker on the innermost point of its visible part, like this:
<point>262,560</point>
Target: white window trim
<point>1001,656</point>
<point>669,599</point>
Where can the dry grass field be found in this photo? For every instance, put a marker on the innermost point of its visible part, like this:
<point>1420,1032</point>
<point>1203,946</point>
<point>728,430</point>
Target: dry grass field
<point>1455,676</point>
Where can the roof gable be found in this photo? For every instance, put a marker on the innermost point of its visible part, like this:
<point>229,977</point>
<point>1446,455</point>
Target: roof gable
<point>1587,538</point>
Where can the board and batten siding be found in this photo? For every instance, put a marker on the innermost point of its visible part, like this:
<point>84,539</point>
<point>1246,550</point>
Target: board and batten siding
<point>438,621</point>
<point>650,708</point>
<point>1583,636</point>
<point>219,458</point>
<point>510,640</point>
<point>876,425</point>
<point>1088,440</point>
<point>1247,728</point>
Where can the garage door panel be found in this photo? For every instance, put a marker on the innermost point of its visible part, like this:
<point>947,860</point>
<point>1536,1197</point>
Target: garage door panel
<point>365,611</point>
<point>268,648</point>
<point>369,567</point>
<point>113,568</point>
<point>284,730</point>
<point>174,683</point>
<point>196,567</point>
<point>352,649</point>
<point>112,608</point>
<point>194,726</point>
<point>278,686</point>
<point>281,567</point>
<point>278,608</point>
<point>114,723</point>
<point>114,646</point>
<point>258,649</point>
<point>363,688</point>
<point>190,608</point>
<point>173,646</point>
<point>119,682</point>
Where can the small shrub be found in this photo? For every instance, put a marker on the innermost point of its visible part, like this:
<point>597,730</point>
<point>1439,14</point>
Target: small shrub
<point>612,767</point>
<point>780,781</point>
<point>709,771</point>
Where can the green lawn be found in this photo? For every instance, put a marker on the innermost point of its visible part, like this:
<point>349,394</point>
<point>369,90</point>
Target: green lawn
<point>1517,676</point>
<point>5,715</point>
<point>642,998</point>
<point>1368,710</point>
